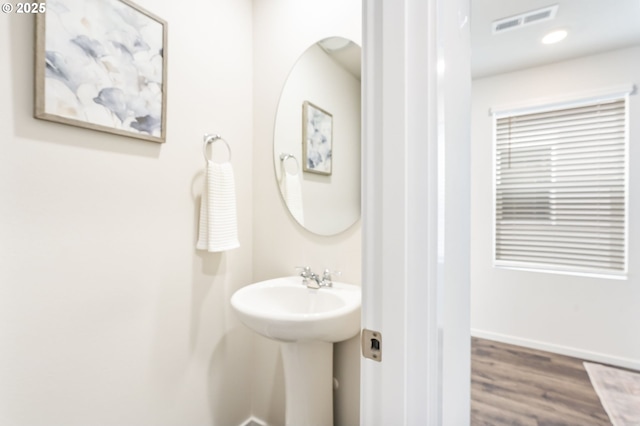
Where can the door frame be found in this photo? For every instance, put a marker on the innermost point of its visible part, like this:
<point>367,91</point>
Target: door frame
<point>415,263</point>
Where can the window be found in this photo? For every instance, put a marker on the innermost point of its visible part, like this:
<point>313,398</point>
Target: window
<point>561,187</point>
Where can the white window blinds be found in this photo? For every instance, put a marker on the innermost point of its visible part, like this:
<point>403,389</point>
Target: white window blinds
<point>560,188</point>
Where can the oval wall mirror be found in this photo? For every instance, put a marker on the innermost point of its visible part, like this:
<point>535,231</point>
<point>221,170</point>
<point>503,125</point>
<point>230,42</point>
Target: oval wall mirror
<point>316,144</point>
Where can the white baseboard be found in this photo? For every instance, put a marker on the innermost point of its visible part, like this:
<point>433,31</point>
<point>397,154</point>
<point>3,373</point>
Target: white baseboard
<point>254,421</point>
<point>558,349</point>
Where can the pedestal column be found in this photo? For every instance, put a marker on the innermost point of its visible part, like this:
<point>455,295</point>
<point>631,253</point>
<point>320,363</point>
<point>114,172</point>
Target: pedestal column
<point>308,375</point>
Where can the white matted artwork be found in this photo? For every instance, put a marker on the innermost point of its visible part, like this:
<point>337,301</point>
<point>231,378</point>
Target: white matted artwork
<point>102,65</point>
<point>317,139</point>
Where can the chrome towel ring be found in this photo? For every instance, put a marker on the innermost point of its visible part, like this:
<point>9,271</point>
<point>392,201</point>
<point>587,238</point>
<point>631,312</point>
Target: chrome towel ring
<point>284,157</point>
<point>211,138</point>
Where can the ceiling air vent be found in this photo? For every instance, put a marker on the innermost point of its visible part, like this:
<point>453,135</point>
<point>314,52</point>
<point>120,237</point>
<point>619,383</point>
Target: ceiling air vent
<point>524,19</point>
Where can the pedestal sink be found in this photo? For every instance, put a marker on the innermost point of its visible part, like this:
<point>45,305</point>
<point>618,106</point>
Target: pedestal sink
<point>307,322</point>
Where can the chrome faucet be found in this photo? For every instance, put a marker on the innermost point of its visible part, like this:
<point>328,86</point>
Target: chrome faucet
<point>309,278</point>
<point>313,280</point>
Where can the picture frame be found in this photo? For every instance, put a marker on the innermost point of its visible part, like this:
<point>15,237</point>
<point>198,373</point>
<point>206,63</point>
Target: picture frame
<point>317,139</point>
<point>102,65</point>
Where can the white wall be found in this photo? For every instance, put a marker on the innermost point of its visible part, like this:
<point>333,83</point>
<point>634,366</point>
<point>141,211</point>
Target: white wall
<point>283,30</point>
<point>589,317</point>
<point>108,315</point>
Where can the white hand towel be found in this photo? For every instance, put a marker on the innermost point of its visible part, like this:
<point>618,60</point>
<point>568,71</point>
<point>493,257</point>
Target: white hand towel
<point>292,191</point>
<point>218,229</point>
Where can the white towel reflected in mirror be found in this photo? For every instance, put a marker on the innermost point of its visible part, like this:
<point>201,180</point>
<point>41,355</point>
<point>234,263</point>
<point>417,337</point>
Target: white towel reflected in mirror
<point>291,189</point>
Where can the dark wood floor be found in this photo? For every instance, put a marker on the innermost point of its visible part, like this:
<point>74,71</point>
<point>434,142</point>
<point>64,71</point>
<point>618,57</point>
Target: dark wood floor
<point>512,385</point>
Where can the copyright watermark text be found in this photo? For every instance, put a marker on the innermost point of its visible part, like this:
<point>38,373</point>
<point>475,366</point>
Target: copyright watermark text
<point>27,8</point>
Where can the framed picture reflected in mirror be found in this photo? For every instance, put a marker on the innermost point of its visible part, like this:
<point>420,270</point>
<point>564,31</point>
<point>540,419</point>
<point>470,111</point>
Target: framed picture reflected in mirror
<point>317,139</point>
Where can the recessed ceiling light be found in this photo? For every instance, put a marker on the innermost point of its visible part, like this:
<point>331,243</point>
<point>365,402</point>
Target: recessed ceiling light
<point>554,37</point>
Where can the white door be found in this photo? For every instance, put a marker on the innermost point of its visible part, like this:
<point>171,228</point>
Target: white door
<point>416,211</point>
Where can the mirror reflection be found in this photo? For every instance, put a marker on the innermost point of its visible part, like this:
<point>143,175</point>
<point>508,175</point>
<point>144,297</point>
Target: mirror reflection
<point>316,147</point>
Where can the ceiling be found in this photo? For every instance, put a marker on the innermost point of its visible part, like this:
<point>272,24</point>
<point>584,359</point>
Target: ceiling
<point>349,58</point>
<point>594,26</point>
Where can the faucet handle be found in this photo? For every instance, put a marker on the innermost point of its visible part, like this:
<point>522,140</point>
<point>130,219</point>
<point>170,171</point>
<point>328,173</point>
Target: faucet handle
<point>305,271</point>
<point>327,274</point>
<point>327,277</point>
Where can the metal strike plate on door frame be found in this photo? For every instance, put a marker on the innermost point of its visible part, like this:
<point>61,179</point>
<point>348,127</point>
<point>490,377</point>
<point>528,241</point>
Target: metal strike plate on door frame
<point>372,344</point>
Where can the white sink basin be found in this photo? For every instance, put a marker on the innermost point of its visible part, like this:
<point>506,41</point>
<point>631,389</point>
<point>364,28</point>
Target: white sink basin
<point>284,309</point>
<point>306,322</point>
